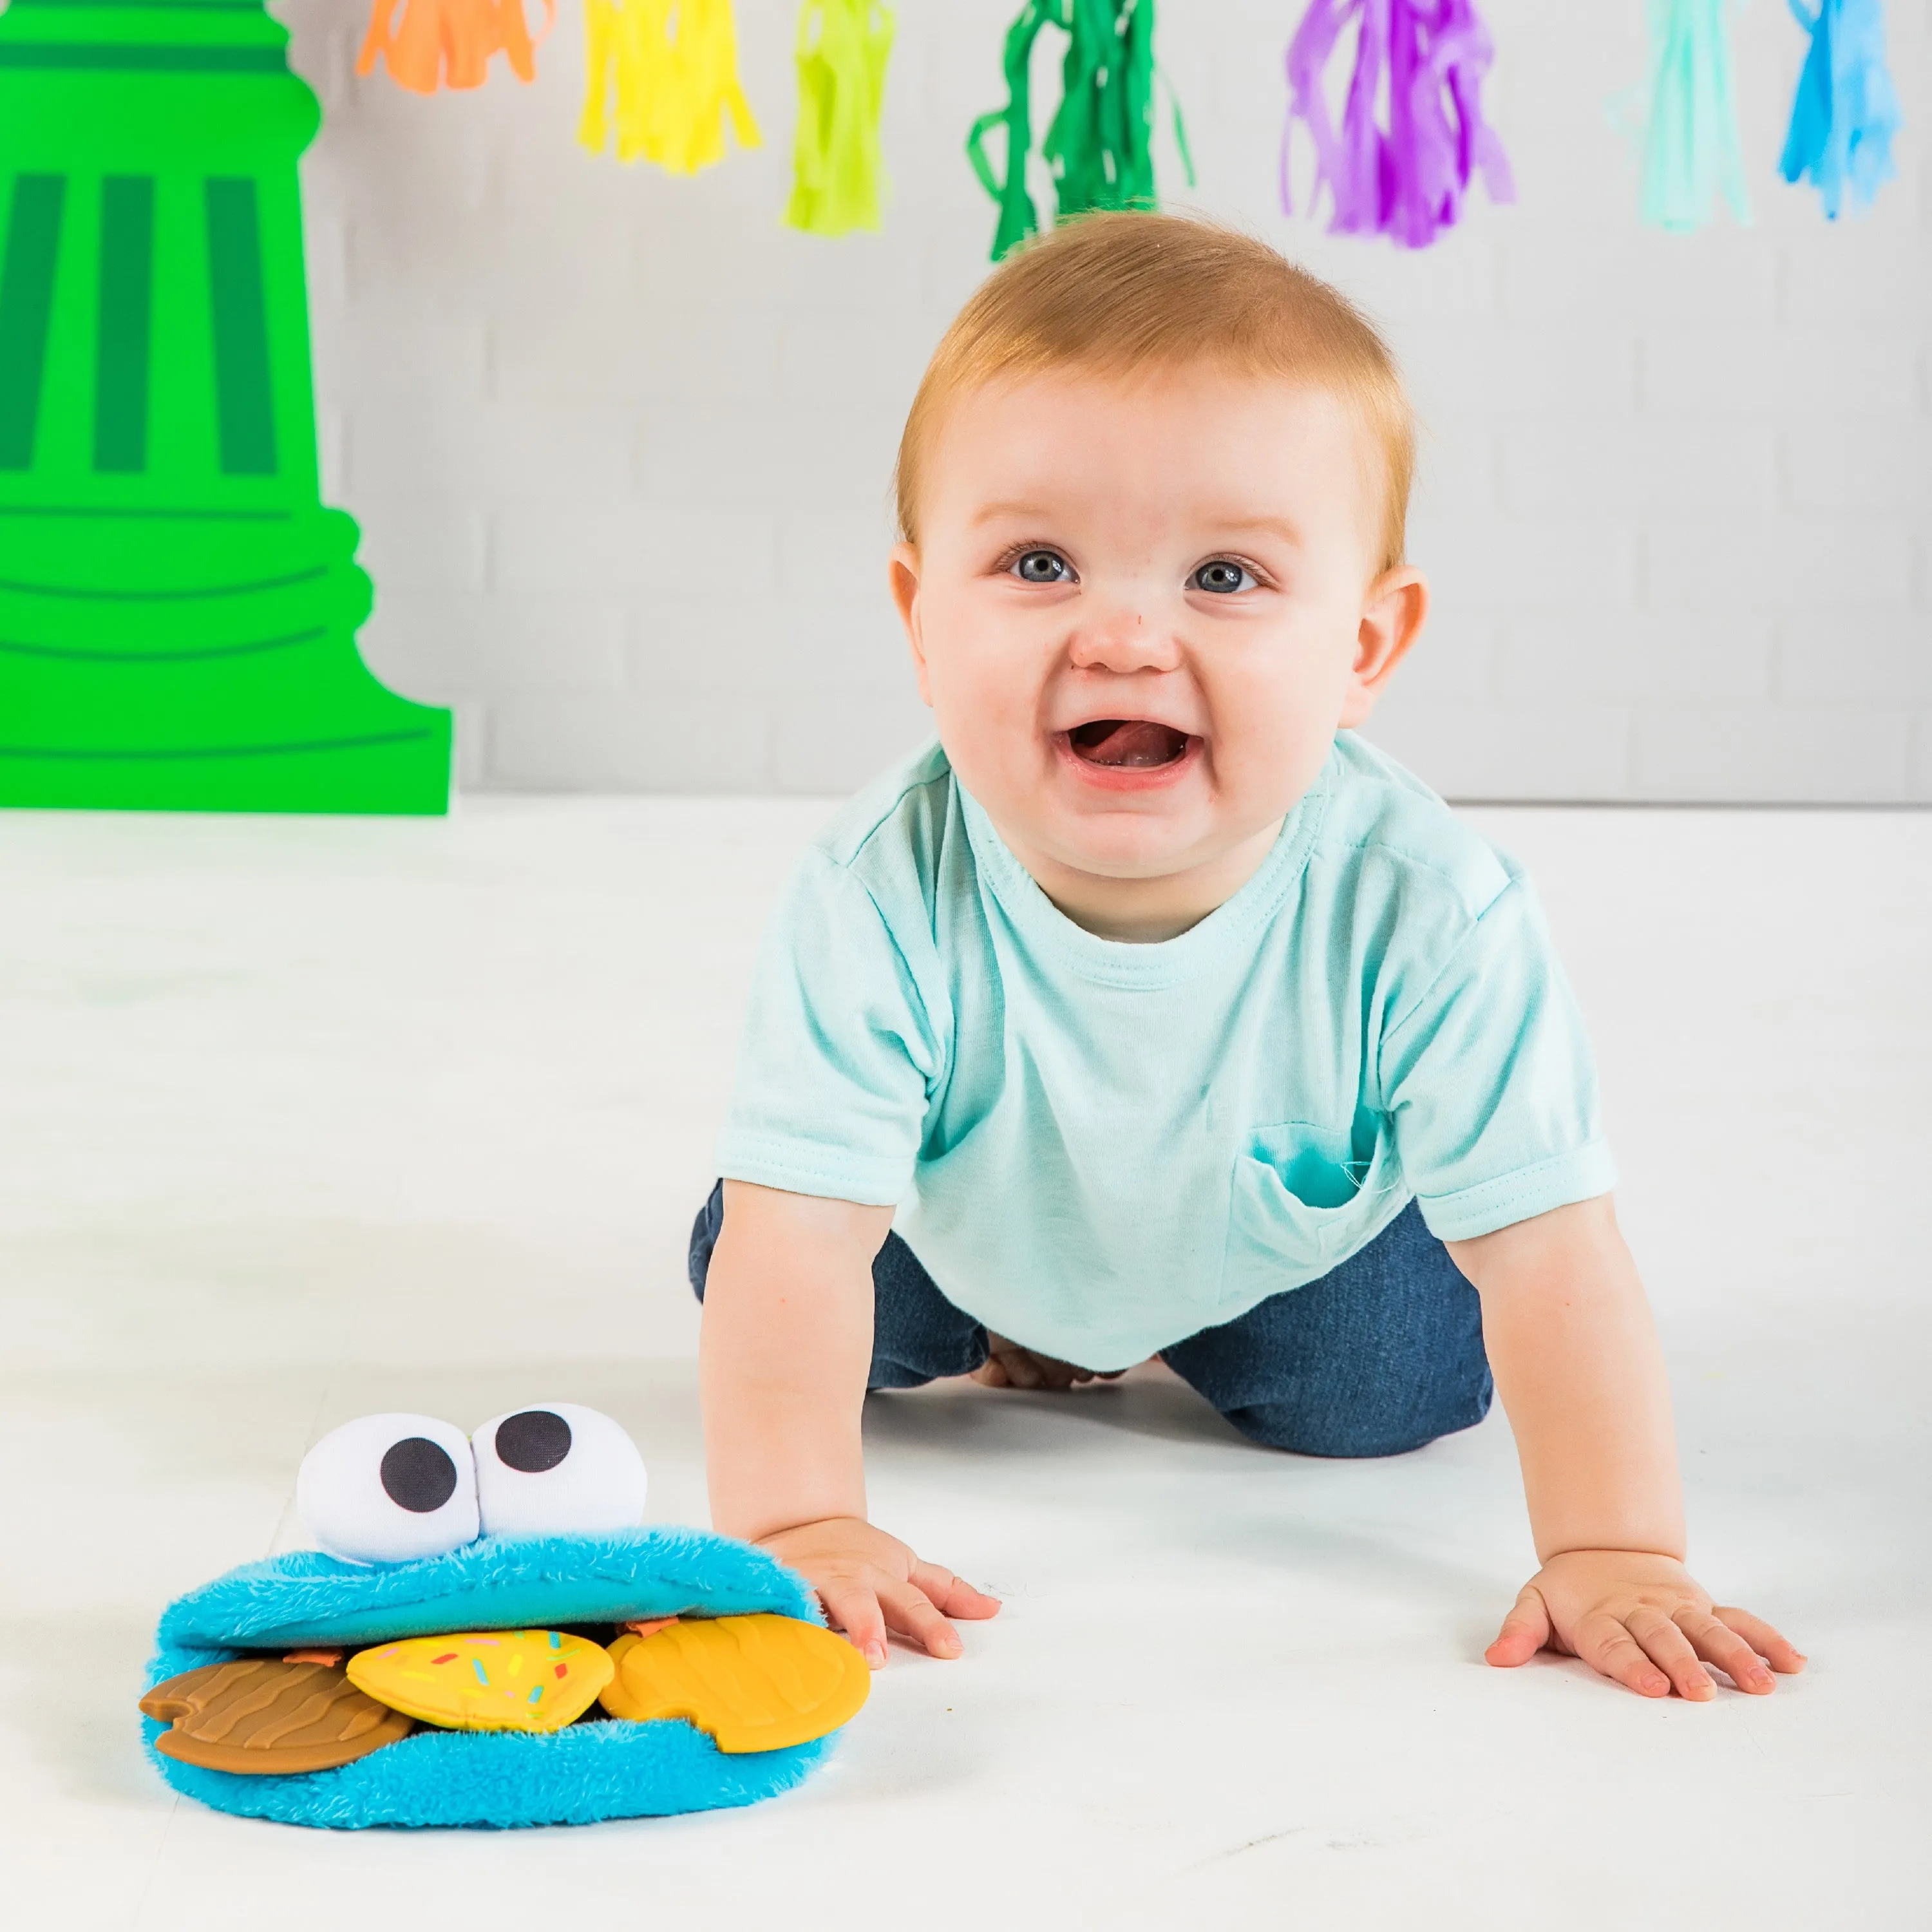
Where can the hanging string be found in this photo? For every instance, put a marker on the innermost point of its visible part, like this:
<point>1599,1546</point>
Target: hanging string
<point>1690,151</point>
<point>837,170</point>
<point>1412,136</point>
<point>1847,110</point>
<point>449,42</point>
<point>664,74</point>
<point>1099,148</point>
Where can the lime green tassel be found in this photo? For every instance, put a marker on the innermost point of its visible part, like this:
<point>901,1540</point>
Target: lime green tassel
<point>1099,149</point>
<point>837,173</point>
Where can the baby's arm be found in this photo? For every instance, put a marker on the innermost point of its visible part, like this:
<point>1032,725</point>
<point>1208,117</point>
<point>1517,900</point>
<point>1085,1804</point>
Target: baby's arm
<point>1577,1364</point>
<point>786,1345</point>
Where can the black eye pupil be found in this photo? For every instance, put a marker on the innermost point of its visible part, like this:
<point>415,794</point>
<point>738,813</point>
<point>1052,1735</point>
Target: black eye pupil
<point>537,1440</point>
<point>418,1474</point>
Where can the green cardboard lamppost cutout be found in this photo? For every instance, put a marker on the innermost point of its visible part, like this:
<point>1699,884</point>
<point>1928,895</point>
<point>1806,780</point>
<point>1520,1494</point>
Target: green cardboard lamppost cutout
<point>178,610</point>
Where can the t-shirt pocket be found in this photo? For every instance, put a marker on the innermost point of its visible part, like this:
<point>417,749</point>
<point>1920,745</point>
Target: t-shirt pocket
<point>1303,1201</point>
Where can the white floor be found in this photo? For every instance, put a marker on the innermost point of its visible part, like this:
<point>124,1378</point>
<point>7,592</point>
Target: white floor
<point>300,1119</point>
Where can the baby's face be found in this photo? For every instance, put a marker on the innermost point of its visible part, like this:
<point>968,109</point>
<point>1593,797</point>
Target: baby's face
<point>1140,612</point>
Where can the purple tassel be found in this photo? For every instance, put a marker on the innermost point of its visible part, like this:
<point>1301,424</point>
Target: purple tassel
<point>1424,61</point>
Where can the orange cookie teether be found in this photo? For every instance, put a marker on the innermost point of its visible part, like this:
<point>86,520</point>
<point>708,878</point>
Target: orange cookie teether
<point>754,1684</point>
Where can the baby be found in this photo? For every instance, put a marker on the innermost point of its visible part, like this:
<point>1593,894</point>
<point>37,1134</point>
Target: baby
<point>1150,1011</point>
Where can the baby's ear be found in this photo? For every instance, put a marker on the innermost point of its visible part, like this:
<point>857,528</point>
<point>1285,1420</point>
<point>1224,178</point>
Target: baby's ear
<point>903,573</point>
<point>1393,613</point>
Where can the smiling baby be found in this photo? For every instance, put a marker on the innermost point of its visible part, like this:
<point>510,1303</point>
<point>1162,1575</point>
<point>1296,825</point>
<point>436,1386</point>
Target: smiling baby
<point>1151,1011</point>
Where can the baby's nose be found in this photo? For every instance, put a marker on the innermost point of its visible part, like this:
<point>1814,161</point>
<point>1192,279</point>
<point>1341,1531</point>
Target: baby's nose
<point>1124,640</point>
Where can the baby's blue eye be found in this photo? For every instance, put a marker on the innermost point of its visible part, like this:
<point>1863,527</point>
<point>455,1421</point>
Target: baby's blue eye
<point>1041,566</point>
<point>1222,577</point>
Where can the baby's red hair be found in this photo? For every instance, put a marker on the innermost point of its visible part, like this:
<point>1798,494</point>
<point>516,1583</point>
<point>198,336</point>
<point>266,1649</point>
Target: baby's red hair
<point>1124,294</point>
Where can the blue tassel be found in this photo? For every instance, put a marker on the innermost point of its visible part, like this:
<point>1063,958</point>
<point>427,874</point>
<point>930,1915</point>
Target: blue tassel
<point>1847,110</point>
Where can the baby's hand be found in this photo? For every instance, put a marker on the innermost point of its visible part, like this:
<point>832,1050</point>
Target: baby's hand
<point>1009,1366</point>
<point>871,1583</point>
<point>1642,1620</point>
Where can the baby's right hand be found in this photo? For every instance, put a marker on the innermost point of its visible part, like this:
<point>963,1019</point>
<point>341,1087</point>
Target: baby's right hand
<point>871,1583</point>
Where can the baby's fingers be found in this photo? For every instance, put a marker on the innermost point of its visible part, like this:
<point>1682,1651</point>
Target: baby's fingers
<point>1778,1651</point>
<point>1672,1653</point>
<point>910,1613</point>
<point>1524,1631</point>
<point>1716,1644</point>
<point>855,1610</point>
<point>1607,1646</point>
<point>952,1594</point>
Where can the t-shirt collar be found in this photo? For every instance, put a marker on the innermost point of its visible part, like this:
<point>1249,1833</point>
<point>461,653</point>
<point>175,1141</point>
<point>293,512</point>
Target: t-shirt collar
<point>1229,929</point>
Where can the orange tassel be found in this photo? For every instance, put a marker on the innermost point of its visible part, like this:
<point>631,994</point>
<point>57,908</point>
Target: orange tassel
<point>463,34</point>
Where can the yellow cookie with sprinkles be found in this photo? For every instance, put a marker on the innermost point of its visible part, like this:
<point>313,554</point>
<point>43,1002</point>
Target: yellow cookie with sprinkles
<point>486,1681</point>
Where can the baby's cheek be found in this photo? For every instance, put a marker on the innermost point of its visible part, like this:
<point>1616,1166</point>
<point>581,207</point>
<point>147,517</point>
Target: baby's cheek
<point>1272,731</point>
<point>986,695</point>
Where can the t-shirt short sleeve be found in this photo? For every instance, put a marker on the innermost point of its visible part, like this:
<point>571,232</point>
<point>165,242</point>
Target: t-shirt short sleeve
<point>1490,1083</point>
<point>838,1058</point>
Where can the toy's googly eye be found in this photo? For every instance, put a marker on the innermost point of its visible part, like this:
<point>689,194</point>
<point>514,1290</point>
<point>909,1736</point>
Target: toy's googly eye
<point>561,1467</point>
<point>387,1488</point>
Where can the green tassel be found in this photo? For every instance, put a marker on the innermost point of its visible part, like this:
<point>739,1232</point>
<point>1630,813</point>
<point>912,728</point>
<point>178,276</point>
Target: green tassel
<point>1099,148</point>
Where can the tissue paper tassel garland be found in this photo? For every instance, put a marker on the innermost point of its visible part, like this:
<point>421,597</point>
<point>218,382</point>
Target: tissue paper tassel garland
<point>1424,61</point>
<point>1846,111</point>
<point>1691,150</point>
<point>418,38</point>
<point>673,66</point>
<point>1099,147</point>
<point>843,45</point>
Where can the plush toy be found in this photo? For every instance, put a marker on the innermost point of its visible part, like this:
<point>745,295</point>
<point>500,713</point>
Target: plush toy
<point>1412,136</point>
<point>426,43</point>
<point>1847,110</point>
<point>670,67</point>
<point>1099,147</point>
<point>487,1637</point>
<point>843,46</point>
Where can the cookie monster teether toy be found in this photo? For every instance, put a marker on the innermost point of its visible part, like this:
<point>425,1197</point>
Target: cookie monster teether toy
<point>485,1637</point>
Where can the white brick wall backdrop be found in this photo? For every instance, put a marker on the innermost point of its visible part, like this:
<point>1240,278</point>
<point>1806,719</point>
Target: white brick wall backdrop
<point>619,443</point>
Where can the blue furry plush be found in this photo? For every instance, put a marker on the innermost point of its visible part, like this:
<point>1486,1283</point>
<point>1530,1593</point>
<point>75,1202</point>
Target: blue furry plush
<point>604,1768</point>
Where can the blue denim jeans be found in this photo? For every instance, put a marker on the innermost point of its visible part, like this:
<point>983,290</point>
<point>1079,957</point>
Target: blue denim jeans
<point>1381,1355</point>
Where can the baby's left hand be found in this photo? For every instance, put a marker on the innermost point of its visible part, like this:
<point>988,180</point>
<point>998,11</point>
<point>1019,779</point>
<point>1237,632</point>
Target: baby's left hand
<point>1642,1620</point>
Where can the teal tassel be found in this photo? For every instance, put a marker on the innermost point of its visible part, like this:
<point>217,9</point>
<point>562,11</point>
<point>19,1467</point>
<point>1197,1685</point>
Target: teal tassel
<point>1691,150</point>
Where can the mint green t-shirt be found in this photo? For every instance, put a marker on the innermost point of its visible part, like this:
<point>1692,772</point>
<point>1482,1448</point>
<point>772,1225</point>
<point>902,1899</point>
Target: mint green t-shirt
<point>1099,1148</point>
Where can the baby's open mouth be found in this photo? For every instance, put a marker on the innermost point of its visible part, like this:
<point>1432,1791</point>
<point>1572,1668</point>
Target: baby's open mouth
<point>1127,743</point>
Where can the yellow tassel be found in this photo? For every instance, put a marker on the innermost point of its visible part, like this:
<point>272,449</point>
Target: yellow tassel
<point>837,172</point>
<point>672,66</point>
<point>464,33</point>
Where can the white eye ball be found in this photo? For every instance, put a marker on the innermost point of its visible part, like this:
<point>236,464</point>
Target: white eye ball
<point>562,1467</point>
<point>388,1489</point>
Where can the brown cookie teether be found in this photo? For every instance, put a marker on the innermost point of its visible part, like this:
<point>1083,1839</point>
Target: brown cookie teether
<point>267,1715</point>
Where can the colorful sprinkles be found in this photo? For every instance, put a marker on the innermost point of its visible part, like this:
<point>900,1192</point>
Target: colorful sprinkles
<point>424,1678</point>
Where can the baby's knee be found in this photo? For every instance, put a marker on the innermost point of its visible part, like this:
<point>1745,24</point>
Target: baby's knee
<point>1310,1429</point>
